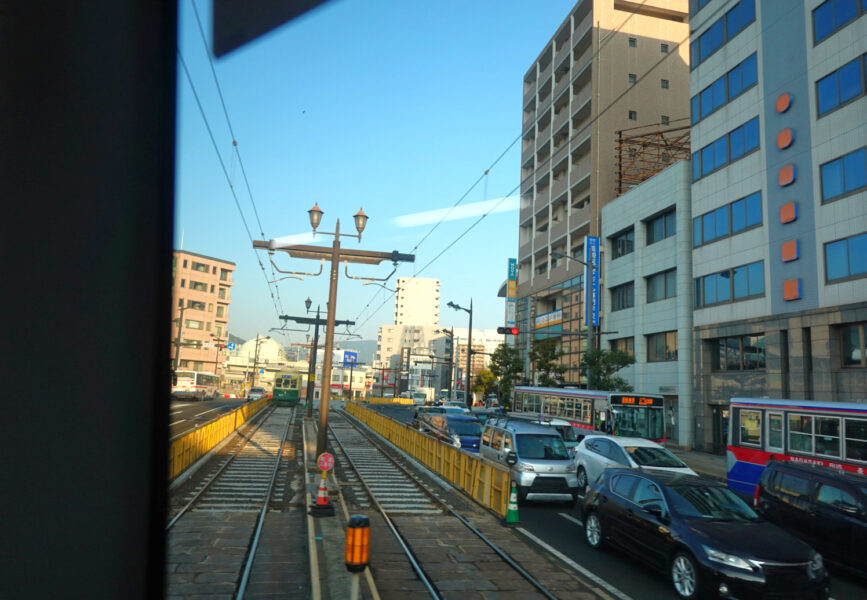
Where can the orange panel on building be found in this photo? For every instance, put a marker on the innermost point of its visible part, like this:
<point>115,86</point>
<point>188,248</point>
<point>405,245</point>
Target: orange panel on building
<point>788,212</point>
<point>792,289</point>
<point>786,175</point>
<point>784,101</point>
<point>790,251</point>
<point>785,138</point>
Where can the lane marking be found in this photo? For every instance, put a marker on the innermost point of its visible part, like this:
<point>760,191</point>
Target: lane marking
<point>206,412</point>
<point>176,422</point>
<point>595,579</point>
<point>578,522</point>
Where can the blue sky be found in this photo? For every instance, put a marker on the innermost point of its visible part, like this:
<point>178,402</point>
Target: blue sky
<point>395,106</point>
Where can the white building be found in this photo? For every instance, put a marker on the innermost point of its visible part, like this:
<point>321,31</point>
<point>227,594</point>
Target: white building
<point>417,301</point>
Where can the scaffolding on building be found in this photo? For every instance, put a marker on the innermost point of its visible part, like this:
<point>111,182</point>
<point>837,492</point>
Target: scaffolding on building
<point>642,152</point>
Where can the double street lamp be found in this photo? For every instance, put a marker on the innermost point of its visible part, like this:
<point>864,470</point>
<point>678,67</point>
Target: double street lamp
<point>450,333</point>
<point>336,256</point>
<point>469,310</point>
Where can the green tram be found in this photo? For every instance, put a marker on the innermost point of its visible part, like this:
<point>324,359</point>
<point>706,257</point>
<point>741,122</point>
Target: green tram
<point>287,386</point>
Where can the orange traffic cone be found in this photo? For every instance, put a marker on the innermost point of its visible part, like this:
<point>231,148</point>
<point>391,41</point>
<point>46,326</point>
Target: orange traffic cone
<point>322,507</point>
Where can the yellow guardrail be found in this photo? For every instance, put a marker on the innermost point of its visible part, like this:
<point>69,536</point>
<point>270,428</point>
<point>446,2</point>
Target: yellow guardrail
<point>389,400</point>
<point>186,450</point>
<point>487,484</point>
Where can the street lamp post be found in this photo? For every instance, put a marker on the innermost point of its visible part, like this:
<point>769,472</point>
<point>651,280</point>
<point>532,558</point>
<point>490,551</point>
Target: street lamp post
<point>219,343</point>
<point>336,256</point>
<point>256,358</point>
<point>469,348</point>
<point>591,329</point>
<point>451,335</point>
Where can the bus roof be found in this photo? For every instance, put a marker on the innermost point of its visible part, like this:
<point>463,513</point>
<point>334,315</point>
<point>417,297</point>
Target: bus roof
<point>577,392</point>
<point>856,407</point>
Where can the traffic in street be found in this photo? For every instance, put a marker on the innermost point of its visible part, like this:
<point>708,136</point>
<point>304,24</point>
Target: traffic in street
<point>186,415</point>
<point>558,528</point>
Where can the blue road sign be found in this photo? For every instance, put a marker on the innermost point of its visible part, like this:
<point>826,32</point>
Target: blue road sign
<point>230,346</point>
<point>349,358</point>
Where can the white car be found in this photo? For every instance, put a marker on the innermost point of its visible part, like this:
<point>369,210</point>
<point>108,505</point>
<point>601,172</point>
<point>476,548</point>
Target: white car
<point>596,453</point>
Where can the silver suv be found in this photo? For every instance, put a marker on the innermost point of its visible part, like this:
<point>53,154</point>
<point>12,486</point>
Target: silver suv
<point>536,455</point>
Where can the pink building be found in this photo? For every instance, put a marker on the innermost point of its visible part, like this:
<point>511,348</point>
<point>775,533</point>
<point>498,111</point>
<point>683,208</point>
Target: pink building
<point>200,314</point>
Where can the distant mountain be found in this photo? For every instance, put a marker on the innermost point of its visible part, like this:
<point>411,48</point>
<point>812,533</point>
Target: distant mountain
<point>234,338</point>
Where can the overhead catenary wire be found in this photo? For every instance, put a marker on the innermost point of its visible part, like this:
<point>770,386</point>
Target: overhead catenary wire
<point>225,173</point>
<point>235,148</point>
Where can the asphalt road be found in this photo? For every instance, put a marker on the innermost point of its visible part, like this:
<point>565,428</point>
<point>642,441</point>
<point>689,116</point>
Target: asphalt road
<point>187,415</point>
<point>559,526</point>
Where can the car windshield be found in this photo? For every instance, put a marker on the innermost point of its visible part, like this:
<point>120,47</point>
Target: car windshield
<point>567,432</point>
<point>471,428</point>
<point>710,502</point>
<point>256,390</point>
<point>549,447</point>
<point>648,456</point>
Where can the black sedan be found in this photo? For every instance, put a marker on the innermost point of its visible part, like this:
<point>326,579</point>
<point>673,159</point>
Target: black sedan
<point>703,535</point>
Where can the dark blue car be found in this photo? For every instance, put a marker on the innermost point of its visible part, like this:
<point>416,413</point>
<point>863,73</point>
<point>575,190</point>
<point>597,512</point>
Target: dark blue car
<point>702,535</point>
<point>461,431</point>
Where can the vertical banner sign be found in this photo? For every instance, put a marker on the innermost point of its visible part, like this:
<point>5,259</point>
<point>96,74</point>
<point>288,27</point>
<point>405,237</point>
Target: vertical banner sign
<point>591,280</point>
<point>404,358</point>
<point>511,292</point>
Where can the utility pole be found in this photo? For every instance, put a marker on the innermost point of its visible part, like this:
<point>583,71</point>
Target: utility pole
<point>178,339</point>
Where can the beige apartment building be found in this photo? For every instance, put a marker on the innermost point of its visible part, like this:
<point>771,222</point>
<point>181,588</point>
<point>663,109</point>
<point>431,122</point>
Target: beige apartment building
<point>200,315</point>
<point>611,66</point>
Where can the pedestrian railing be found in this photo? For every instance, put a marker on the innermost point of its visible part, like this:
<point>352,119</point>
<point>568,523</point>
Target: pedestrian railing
<point>486,483</point>
<point>189,448</point>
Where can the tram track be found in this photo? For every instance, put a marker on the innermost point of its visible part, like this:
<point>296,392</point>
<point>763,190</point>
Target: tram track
<point>219,515</point>
<point>410,507</point>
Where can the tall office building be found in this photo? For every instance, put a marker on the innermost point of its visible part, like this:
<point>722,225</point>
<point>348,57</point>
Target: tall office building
<point>779,204</point>
<point>417,301</point>
<point>200,314</point>
<point>610,66</point>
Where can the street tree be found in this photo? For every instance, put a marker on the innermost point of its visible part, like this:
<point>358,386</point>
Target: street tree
<point>545,354</point>
<point>599,366</point>
<point>507,366</point>
<point>484,383</point>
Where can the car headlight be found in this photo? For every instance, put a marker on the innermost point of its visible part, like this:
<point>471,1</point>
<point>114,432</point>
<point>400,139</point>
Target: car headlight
<point>730,560</point>
<point>525,468</point>
<point>816,564</point>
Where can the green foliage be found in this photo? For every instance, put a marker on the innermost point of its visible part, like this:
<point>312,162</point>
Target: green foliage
<point>507,366</point>
<point>599,367</point>
<point>545,354</point>
<point>484,383</point>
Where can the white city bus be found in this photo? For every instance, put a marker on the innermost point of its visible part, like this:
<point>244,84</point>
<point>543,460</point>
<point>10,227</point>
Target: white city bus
<point>195,385</point>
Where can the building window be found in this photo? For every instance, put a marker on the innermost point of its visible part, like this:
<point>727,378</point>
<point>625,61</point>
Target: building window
<point>192,324</point>
<point>210,307</point>
<point>846,258</point>
<point>661,227</point>
<point>195,344</point>
<point>180,302</point>
<point>725,89</point>
<point>742,353</point>
<point>200,267</point>
<point>664,120</point>
<point>739,283</point>
<point>632,78</point>
<point>663,48</point>
<point>185,263</point>
<point>221,311</point>
<point>662,346</point>
<point>844,175</point>
<point>662,285</point>
<point>852,342</point>
<point>222,293</point>
<point>730,219</point>
<point>664,83</point>
<point>722,30</point>
<point>212,289</point>
<point>183,283</point>
<point>839,87</point>
<point>196,305</point>
<point>626,345</point>
<point>198,286</point>
<point>622,296</point>
<point>832,15</point>
<point>633,116</point>
<point>633,42</point>
<point>623,243</point>
<point>224,274</point>
<point>729,148</point>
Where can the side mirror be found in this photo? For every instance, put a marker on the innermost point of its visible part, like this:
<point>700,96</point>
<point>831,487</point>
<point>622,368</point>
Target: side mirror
<point>511,457</point>
<point>656,510</point>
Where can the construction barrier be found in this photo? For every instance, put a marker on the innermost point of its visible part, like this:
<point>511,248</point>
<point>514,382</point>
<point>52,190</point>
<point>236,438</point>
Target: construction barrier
<point>389,400</point>
<point>486,483</point>
<point>187,449</point>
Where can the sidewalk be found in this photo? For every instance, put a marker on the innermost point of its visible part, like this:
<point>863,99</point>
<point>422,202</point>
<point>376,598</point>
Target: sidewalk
<point>703,463</point>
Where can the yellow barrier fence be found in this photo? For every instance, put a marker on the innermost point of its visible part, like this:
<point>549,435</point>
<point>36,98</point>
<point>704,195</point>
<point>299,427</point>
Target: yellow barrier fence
<point>487,484</point>
<point>187,449</point>
<point>389,400</point>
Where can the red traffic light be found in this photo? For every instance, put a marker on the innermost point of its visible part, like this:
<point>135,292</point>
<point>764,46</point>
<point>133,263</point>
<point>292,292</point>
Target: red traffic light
<point>507,330</point>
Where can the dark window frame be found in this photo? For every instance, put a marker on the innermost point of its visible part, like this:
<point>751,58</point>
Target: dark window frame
<point>619,300</point>
<point>728,138</point>
<point>860,10</point>
<point>722,344</point>
<point>622,243</point>
<point>699,286</point>
<point>669,354</point>
<point>849,257</point>
<point>696,103</point>
<point>698,222</point>
<point>845,193</point>
<point>665,285</point>
<point>664,219</point>
<point>836,73</point>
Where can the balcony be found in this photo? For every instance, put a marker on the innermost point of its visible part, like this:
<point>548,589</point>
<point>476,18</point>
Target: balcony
<point>580,36</point>
<point>579,220</point>
<point>558,230</point>
<point>524,251</point>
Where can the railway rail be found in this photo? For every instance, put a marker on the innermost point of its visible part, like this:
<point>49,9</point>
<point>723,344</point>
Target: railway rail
<point>409,506</point>
<point>217,518</point>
